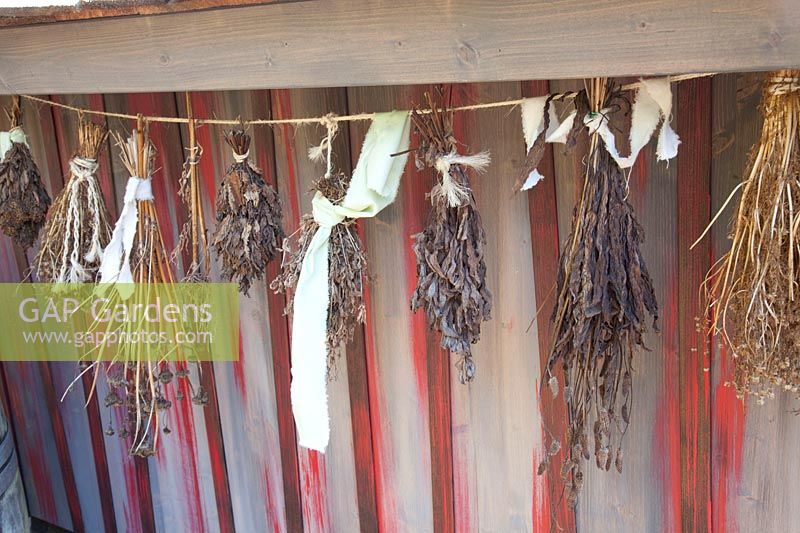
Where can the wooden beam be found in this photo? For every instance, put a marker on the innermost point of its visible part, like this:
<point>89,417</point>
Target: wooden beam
<point>384,42</point>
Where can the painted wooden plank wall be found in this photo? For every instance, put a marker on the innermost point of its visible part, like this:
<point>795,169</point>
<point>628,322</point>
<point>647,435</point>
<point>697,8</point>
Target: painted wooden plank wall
<point>411,448</point>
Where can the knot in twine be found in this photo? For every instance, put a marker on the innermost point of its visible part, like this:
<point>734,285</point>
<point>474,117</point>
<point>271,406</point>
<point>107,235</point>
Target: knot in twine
<point>316,153</point>
<point>83,168</point>
<point>779,85</point>
<point>455,192</point>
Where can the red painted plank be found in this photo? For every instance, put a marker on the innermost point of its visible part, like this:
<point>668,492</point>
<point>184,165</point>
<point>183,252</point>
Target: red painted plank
<point>694,185</point>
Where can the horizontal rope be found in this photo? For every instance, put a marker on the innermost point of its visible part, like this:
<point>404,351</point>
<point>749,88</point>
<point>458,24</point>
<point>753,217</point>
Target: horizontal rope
<point>322,119</point>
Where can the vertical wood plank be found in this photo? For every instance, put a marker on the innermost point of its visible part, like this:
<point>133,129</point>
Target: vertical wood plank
<point>396,343</point>
<point>692,215</point>
<point>330,495</point>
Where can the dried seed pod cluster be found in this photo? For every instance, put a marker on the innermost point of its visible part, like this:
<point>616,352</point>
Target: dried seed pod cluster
<point>77,227</point>
<point>347,271</point>
<point>249,230</point>
<point>605,304</point>
<point>752,292</point>
<point>451,272</point>
<point>23,199</point>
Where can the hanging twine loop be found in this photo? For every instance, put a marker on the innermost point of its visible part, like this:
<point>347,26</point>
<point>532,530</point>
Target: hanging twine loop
<point>316,153</point>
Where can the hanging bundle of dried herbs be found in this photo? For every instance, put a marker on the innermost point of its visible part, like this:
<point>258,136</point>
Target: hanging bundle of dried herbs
<point>140,373</point>
<point>23,199</point>
<point>605,301</point>
<point>347,270</point>
<point>77,227</point>
<point>752,292</point>
<point>193,236</point>
<point>451,272</point>
<point>249,229</point>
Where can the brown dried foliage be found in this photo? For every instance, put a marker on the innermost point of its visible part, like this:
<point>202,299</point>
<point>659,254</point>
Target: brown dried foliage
<point>249,228</point>
<point>347,271</point>
<point>451,272</point>
<point>605,301</point>
<point>23,199</point>
<point>752,292</point>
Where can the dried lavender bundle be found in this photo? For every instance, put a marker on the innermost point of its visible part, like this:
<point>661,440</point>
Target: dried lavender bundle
<point>249,230</point>
<point>77,227</point>
<point>347,271</point>
<point>451,272</point>
<point>23,199</point>
<point>752,292</point>
<point>605,301</point>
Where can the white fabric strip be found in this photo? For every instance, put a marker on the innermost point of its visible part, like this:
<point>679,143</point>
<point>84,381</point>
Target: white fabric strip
<point>372,188</point>
<point>15,135</point>
<point>533,127</point>
<point>115,266</point>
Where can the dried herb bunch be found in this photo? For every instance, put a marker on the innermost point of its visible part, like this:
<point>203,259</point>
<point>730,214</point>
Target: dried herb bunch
<point>249,231</point>
<point>451,272</point>
<point>193,236</point>
<point>23,198</point>
<point>77,227</point>
<point>752,292</point>
<point>140,374</point>
<point>347,270</point>
<point>605,301</point>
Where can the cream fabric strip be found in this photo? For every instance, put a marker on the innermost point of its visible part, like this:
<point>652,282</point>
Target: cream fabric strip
<point>533,127</point>
<point>115,266</point>
<point>372,188</point>
<point>15,135</point>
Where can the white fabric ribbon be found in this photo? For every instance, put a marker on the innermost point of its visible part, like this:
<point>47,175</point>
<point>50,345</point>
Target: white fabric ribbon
<point>372,188</point>
<point>455,192</point>
<point>653,104</point>
<point>115,266</point>
<point>15,135</point>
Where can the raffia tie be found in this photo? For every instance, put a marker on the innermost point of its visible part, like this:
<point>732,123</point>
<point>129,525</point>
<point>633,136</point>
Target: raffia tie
<point>454,191</point>
<point>783,84</point>
<point>316,153</point>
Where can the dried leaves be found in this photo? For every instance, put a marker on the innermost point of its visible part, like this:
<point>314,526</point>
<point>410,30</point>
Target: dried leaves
<point>23,198</point>
<point>77,227</point>
<point>752,292</point>
<point>347,271</point>
<point>605,301</point>
<point>249,230</point>
<point>451,272</point>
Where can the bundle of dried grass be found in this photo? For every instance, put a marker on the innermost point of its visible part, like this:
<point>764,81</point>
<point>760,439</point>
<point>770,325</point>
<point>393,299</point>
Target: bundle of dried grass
<point>605,300</point>
<point>23,198</point>
<point>451,272</point>
<point>347,270</point>
<point>77,227</point>
<point>139,374</point>
<point>752,291</point>
<point>193,236</point>
<point>249,230</point>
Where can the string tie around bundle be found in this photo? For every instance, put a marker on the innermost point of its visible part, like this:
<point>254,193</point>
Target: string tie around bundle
<point>451,188</point>
<point>373,186</point>
<point>82,170</point>
<point>783,84</point>
<point>116,266</point>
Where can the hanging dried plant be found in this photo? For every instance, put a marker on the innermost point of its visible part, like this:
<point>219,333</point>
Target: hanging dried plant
<point>193,236</point>
<point>77,227</point>
<point>249,227</point>
<point>347,270</point>
<point>140,373</point>
<point>752,291</point>
<point>23,199</point>
<point>451,272</point>
<point>605,301</point>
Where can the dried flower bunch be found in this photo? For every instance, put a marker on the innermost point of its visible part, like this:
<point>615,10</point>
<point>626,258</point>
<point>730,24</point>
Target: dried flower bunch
<point>451,272</point>
<point>347,270</point>
<point>605,301</point>
<point>752,292</point>
<point>249,228</point>
<point>23,199</point>
<point>193,236</point>
<point>140,374</point>
<point>77,227</point>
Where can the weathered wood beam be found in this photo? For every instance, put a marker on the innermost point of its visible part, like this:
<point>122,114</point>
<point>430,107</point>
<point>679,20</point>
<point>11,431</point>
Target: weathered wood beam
<point>381,42</point>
